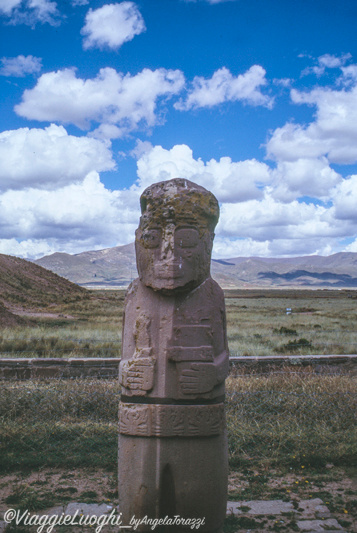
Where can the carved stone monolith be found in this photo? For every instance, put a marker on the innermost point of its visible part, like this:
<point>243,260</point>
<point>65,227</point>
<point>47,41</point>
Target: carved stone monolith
<point>172,432</point>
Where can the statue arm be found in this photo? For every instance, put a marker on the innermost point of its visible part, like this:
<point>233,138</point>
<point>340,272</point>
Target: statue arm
<point>201,377</point>
<point>136,369</point>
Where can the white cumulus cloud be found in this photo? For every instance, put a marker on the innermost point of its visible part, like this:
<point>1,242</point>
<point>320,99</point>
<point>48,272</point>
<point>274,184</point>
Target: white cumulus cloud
<point>332,134</point>
<point>224,87</point>
<point>75,217</point>
<point>49,158</point>
<point>290,229</point>
<point>111,98</point>
<point>345,199</point>
<point>262,211</point>
<point>228,180</point>
<point>7,6</point>
<point>79,213</point>
<point>269,219</point>
<point>304,177</point>
<point>20,66</point>
<point>225,248</point>
<point>112,25</point>
<point>31,11</point>
<point>326,61</point>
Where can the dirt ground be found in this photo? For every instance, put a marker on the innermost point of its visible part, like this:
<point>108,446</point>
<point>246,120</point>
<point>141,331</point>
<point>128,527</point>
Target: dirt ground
<point>335,486</point>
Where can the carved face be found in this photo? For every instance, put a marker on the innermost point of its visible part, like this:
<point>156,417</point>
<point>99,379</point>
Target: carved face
<point>173,256</point>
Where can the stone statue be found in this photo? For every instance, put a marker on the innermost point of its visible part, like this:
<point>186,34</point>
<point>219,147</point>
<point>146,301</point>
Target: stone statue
<point>172,436</point>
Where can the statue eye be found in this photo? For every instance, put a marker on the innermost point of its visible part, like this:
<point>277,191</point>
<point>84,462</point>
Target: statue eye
<point>186,237</point>
<point>151,238</point>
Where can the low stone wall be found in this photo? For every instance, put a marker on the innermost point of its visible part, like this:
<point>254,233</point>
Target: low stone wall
<point>320,364</point>
<point>43,368</point>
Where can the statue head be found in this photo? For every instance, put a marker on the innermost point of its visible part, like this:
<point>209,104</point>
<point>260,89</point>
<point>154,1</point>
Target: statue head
<point>175,235</point>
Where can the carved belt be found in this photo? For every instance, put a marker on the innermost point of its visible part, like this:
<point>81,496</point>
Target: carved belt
<point>151,420</point>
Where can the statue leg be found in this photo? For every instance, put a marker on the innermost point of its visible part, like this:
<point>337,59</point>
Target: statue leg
<point>138,478</point>
<point>195,475</point>
<point>184,477</point>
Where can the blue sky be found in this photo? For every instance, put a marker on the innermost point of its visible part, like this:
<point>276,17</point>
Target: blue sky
<point>255,100</point>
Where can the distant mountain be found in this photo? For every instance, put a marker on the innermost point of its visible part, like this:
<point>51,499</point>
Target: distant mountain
<point>337,270</point>
<point>112,266</point>
<point>117,267</point>
<point>27,286</point>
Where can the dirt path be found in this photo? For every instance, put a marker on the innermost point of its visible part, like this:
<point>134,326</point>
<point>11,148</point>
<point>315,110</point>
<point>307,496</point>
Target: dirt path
<point>331,490</point>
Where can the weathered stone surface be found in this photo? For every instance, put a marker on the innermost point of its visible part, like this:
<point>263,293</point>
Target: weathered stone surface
<point>319,525</point>
<point>53,511</point>
<point>261,507</point>
<point>314,508</point>
<point>158,330</point>
<point>173,443</point>
<point>149,420</point>
<point>87,509</point>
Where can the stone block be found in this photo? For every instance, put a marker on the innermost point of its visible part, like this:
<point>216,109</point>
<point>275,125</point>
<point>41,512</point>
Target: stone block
<point>88,509</point>
<point>319,525</point>
<point>260,507</point>
<point>314,508</point>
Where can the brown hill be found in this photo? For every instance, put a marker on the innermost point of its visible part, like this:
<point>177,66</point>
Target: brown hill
<point>8,319</point>
<point>116,267</point>
<point>27,286</point>
<point>111,266</point>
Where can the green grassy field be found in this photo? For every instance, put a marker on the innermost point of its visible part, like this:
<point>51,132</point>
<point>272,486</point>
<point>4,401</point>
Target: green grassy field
<point>278,418</point>
<point>291,435</point>
<point>321,322</point>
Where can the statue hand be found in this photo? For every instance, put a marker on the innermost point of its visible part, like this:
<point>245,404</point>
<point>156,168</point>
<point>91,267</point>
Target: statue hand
<point>198,378</point>
<point>137,374</point>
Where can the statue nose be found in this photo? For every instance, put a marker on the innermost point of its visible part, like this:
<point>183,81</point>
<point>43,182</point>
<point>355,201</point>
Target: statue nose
<point>168,246</point>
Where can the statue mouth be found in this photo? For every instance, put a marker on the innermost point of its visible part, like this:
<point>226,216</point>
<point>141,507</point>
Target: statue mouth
<point>169,270</point>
